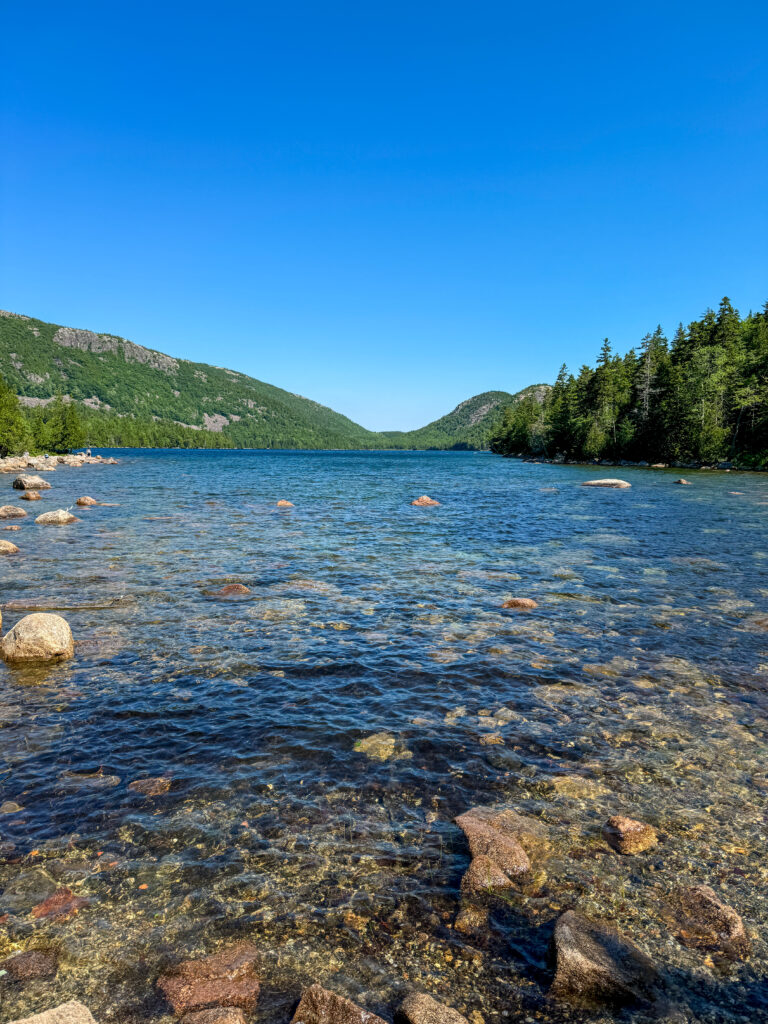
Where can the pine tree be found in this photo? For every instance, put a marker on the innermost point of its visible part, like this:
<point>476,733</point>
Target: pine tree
<point>14,435</point>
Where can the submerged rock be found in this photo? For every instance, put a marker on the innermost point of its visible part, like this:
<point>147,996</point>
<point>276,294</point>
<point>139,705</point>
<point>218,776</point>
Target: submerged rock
<point>285,504</point>
<point>61,905</point>
<point>493,834</point>
<point>58,517</point>
<point>30,483</point>
<point>596,965</point>
<point>227,978</point>
<point>31,496</point>
<point>10,807</point>
<point>420,1008</point>
<point>472,920</point>
<point>150,787</point>
<point>425,501</point>
<point>87,501</point>
<point>380,746</point>
<point>232,590</point>
<point>320,1006</point>
<point>628,836</point>
<point>607,482</point>
<point>11,512</point>
<point>483,876</point>
<point>703,921</point>
<point>34,963</point>
<point>683,481</point>
<point>7,548</point>
<point>68,1013</point>
<point>216,1015</point>
<point>520,603</point>
<point>13,526</point>
<point>38,637</point>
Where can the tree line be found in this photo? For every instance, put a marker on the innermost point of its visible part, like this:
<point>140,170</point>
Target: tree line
<point>703,397</point>
<point>56,427</point>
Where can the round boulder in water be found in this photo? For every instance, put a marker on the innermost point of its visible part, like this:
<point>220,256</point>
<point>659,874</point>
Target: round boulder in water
<point>38,637</point>
<point>58,517</point>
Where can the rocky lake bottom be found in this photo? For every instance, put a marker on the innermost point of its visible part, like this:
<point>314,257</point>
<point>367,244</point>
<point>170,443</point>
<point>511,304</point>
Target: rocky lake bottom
<point>313,738</point>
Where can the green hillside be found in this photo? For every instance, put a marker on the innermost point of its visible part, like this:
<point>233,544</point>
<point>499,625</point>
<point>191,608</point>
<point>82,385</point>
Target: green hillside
<point>468,426</point>
<point>128,396</point>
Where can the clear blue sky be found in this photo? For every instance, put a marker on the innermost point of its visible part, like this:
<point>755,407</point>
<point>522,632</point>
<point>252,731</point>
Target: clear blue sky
<point>387,207</point>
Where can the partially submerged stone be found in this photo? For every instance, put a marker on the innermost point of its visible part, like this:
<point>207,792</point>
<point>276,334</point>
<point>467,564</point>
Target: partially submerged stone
<point>320,1006</point>
<point>285,504</point>
<point>227,978</point>
<point>595,965</point>
<point>425,501</point>
<point>683,481</point>
<point>703,921</point>
<point>87,501</point>
<point>215,1015</point>
<point>150,787</point>
<point>628,836</point>
<point>11,512</point>
<point>38,637</point>
<point>483,877</point>
<point>520,603</point>
<point>68,1013</point>
<point>30,483</point>
<point>607,482</point>
<point>489,835</point>
<point>34,963</point>
<point>420,1008</point>
<point>7,548</point>
<point>232,590</point>
<point>379,746</point>
<point>31,496</point>
<point>58,517</point>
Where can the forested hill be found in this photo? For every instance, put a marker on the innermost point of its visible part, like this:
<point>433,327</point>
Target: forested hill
<point>470,423</point>
<point>127,395</point>
<point>701,397</point>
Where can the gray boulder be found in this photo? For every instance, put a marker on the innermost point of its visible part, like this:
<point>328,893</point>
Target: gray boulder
<point>30,483</point>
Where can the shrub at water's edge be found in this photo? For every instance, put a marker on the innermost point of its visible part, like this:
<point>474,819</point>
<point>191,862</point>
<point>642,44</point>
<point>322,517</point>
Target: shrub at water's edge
<point>704,399</point>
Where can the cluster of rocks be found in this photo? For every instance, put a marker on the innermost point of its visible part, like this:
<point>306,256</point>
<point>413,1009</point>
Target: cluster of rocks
<point>561,460</point>
<point>48,463</point>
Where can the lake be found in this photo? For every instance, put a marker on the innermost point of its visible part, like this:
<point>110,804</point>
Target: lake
<point>638,686</point>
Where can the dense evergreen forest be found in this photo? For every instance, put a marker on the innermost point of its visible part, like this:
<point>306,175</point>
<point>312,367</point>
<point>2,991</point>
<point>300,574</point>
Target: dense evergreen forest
<point>702,398</point>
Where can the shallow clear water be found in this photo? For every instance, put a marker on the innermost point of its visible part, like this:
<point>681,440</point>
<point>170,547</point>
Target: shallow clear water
<point>641,678</point>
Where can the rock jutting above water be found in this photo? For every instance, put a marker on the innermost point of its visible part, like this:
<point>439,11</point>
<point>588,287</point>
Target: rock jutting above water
<point>282,503</point>
<point>496,846</point>
<point>520,603</point>
<point>30,483</point>
<point>232,590</point>
<point>703,921</point>
<point>57,517</point>
<point>607,482</point>
<point>38,637</point>
<point>68,1013</point>
<point>7,548</point>
<point>683,481</point>
<point>318,1005</point>
<point>628,836</point>
<point>87,501</point>
<point>595,965</point>
<point>227,978</point>
<point>11,512</point>
<point>424,501</point>
<point>420,1008</point>
<point>31,496</point>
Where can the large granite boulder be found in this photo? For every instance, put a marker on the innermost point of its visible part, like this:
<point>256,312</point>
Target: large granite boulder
<point>7,548</point>
<point>11,512</point>
<point>24,482</point>
<point>320,1006</point>
<point>38,637</point>
<point>227,978</point>
<point>67,1013</point>
<point>57,517</point>
<point>594,965</point>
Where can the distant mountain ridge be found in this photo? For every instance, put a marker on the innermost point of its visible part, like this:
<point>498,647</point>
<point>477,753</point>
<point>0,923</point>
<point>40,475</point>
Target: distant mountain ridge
<point>132,395</point>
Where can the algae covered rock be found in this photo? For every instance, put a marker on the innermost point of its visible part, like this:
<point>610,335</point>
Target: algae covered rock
<point>628,836</point>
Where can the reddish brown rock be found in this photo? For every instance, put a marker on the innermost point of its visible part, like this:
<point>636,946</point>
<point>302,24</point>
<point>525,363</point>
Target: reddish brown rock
<point>472,920</point>
<point>31,496</point>
<point>319,1006</point>
<point>420,1008</point>
<point>285,504</point>
<point>232,590</point>
<point>34,963</point>
<point>61,905</point>
<point>594,965</point>
<point>488,836</point>
<point>520,603</point>
<point>150,787</point>
<point>216,1015</point>
<point>484,877</point>
<point>425,501</point>
<point>87,501</point>
<point>628,836</point>
<point>227,978</point>
<point>703,921</point>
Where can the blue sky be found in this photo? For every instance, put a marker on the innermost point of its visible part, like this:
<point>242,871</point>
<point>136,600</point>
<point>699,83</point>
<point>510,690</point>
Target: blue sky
<point>387,207</point>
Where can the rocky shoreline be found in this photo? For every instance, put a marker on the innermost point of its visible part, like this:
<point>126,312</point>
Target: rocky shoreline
<point>48,463</point>
<point>560,460</point>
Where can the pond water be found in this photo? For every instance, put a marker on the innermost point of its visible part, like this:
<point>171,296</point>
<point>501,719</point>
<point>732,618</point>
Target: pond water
<point>638,686</point>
